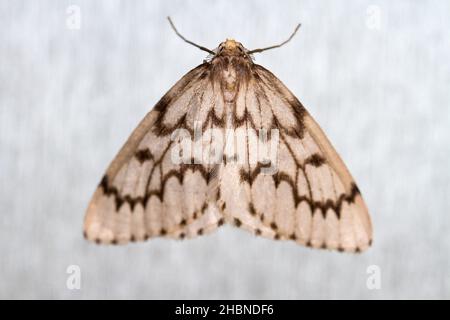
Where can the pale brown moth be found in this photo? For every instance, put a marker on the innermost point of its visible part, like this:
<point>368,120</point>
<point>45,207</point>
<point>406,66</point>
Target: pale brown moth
<point>310,198</point>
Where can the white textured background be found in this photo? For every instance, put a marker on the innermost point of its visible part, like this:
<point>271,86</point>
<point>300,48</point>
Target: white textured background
<point>374,74</point>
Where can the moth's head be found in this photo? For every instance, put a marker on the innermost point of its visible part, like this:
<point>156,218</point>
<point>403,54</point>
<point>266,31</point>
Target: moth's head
<point>232,48</point>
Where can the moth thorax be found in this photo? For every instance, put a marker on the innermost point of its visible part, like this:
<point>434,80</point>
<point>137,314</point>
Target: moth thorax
<point>229,83</point>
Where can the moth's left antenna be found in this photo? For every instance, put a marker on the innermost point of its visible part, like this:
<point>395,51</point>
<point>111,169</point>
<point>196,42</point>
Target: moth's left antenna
<point>186,40</point>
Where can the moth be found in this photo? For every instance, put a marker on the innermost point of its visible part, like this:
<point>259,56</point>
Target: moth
<point>229,144</point>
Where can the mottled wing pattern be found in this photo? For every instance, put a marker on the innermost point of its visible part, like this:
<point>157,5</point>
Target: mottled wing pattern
<point>311,198</point>
<point>305,193</point>
<point>144,193</point>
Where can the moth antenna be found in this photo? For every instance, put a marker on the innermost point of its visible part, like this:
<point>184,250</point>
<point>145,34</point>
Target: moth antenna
<point>186,40</point>
<point>277,45</point>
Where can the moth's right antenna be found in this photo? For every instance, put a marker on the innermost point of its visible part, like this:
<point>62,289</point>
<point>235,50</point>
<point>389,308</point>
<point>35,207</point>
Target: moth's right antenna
<point>277,45</point>
<point>186,40</point>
